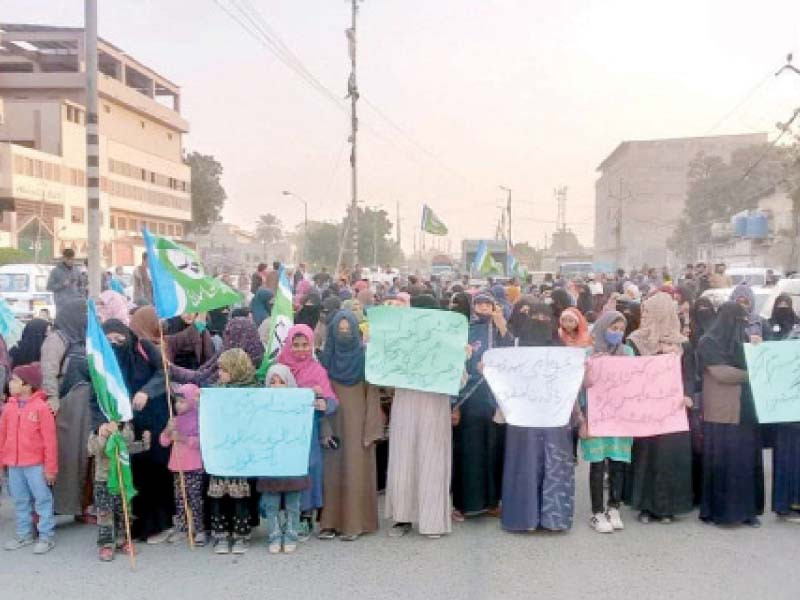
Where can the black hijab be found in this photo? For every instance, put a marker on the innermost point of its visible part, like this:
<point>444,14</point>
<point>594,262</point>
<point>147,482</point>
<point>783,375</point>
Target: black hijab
<point>561,300</point>
<point>310,311</point>
<point>461,302</point>
<point>521,314</point>
<point>722,344</point>
<point>424,301</point>
<point>585,300</point>
<point>330,305</point>
<point>781,322</point>
<point>703,314</point>
<point>632,311</point>
<point>536,328</point>
<point>29,347</point>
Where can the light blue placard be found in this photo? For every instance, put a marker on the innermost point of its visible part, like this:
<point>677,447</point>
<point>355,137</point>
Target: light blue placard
<point>774,370</point>
<point>256,432</point>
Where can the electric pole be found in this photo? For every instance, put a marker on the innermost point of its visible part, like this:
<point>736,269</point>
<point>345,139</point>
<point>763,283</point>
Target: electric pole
<point>92,149</point>
<point>508,214</point>
<point>352,93</point>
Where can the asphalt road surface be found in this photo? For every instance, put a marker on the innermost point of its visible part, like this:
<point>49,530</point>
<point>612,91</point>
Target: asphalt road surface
<point>685,559</point>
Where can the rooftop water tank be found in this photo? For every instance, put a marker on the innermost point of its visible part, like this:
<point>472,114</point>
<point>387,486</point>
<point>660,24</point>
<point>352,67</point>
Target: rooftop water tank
<point>757,226</point>
<point>739,223</point>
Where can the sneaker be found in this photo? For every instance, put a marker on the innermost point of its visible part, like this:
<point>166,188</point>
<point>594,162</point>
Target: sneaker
<point>289,547</point>
<point>615,519</point>
<point>221,545</point>
<point>600,524</point>
<point>644,517</point>
<point>240,546</point>
<point>200,539</point>
<point>305,529</point>
<point>665,520</point>
<point>176,537</point>
<point>791,518</point>
<point>398,530</point>
<point>18,543</point>
<point>349,538</point>
<point>433,536</point>
<point>274,547</point>
<point>43,546</point>
<point>755,522</point>
<point>106,554</point>
<point>327,534</point>
<point>160,538</point>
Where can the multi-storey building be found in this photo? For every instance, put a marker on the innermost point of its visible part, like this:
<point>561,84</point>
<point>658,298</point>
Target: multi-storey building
<point>143,178</point>
<point>641,193</point>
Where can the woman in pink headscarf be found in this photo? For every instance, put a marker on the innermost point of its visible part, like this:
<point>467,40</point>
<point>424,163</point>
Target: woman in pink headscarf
<point>113,305</point>
<point>300,292</point>
<point>297,353</point>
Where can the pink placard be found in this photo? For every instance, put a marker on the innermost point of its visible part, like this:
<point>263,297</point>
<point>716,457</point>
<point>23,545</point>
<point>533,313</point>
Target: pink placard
<point>635,396</point>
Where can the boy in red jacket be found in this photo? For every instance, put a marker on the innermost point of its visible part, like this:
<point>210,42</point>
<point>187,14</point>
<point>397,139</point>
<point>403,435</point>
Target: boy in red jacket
<point>29,448</point>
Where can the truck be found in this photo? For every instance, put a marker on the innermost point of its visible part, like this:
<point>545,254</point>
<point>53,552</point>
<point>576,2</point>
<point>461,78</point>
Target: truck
<point>497,248</point>
<point>442,266</point>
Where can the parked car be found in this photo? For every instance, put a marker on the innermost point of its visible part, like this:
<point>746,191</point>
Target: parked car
<point>24,288</point>
<point>791,287</point>
<point>720,295</point>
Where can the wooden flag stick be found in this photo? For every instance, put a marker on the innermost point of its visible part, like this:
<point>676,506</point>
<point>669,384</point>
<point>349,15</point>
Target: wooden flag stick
<point>181,478</point>
<point>131,551</point>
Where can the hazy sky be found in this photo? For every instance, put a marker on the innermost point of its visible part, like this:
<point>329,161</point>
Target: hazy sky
<point>522,93</point>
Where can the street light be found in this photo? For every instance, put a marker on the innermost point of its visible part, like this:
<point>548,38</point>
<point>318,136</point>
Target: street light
<point>305,220</point>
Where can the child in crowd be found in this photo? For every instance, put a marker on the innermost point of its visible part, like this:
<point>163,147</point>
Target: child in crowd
<point>235,370</point>
<point>29,448</point>
<point>288,489</point>
<point>183,434</point>
<point>108,507</point>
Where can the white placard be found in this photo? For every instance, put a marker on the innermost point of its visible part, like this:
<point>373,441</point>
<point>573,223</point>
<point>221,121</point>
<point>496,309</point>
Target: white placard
<point>535,386</point>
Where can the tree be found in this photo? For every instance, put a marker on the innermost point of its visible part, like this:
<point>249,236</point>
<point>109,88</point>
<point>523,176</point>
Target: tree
<point>323,243</point>
<point>374,242</point>
<point>269,229</point>
<point>208,195</point>
<point>717,190</point>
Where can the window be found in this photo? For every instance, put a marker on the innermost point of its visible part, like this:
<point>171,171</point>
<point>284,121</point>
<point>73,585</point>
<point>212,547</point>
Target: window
<point>169,135</point>
<point>142,124</point>
<point>144,175</point>
<point>122,223</point>
<point>13,282</point>
<point>162,229</point>
<point>152,176</point>
<point>77,214</point>
<point>134,224</point>
<point>112,222</point>
<point>70,113</point>
<point>106,108</point>
<point>179,230</point>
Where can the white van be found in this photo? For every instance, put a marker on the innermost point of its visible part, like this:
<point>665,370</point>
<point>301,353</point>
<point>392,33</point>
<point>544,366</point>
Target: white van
<point>24,288</point>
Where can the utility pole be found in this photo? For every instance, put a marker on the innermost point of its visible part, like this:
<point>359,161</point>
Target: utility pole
<point>92,149</point>
<point>508,214</point>
<point>399,239</point>
<point>352,92</point>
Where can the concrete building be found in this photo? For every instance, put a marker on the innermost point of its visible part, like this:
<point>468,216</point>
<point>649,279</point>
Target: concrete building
<point>226,248</point>
<point>641,193</point>
<point>143,179</point>
<point>778,247</point>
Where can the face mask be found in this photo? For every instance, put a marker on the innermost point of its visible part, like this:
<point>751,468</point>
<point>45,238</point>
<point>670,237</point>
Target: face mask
<point>784,314</point>
<point>548,300</point>
<point>613,338</point>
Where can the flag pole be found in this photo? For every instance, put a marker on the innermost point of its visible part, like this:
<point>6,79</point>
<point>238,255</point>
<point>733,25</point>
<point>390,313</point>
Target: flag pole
<point>181,478</point>
<point>131,551</point>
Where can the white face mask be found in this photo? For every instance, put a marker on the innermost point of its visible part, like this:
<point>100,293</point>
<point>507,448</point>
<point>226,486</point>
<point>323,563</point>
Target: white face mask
<point>548,300</point>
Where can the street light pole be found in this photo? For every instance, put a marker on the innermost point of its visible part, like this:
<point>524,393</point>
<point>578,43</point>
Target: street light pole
<point>508,214</point>
<point>305,221</point>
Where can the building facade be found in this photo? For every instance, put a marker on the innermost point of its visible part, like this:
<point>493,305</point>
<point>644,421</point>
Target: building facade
<point>143,179</point>
<point>641,192</point>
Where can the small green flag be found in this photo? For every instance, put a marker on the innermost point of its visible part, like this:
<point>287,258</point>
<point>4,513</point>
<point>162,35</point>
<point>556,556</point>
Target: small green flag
<point>431,223</point>
<point>116,447</point>
<point>281,319</point>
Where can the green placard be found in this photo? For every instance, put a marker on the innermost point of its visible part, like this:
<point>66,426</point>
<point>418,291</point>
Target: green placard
<point>774,370</point>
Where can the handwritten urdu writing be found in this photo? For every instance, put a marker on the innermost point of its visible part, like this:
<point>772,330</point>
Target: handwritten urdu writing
<point>252,432</point>
<point>774,371</point>
<point>415,348</point>
<point>535,387</point>
<point>635,396</point>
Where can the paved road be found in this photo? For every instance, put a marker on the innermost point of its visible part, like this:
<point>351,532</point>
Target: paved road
<point>686,559</point>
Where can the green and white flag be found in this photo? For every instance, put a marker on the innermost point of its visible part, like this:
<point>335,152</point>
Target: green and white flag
<point>431,223</point>
<point>179,283</point>
<point>280,321</point>
<point>114,401</point>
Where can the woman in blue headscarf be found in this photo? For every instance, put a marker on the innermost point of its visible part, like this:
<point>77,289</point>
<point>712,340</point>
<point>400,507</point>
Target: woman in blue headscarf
<point>499,293</point>
<point>350,480</point>
<point>260,306</point>
<point>477,439</point>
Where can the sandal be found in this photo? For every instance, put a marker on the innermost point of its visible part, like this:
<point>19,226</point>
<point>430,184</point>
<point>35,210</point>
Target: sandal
<point>106,554</point>
<point>327,534</point>
<point>458,516</point>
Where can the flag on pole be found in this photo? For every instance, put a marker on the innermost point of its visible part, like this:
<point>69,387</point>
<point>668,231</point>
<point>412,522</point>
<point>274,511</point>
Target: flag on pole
<point>431,223</point>
<point>513,268</point>
<point>179,283</point>
<point>281,319</point>
<point>114,401</point>
<point>484,262</point>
